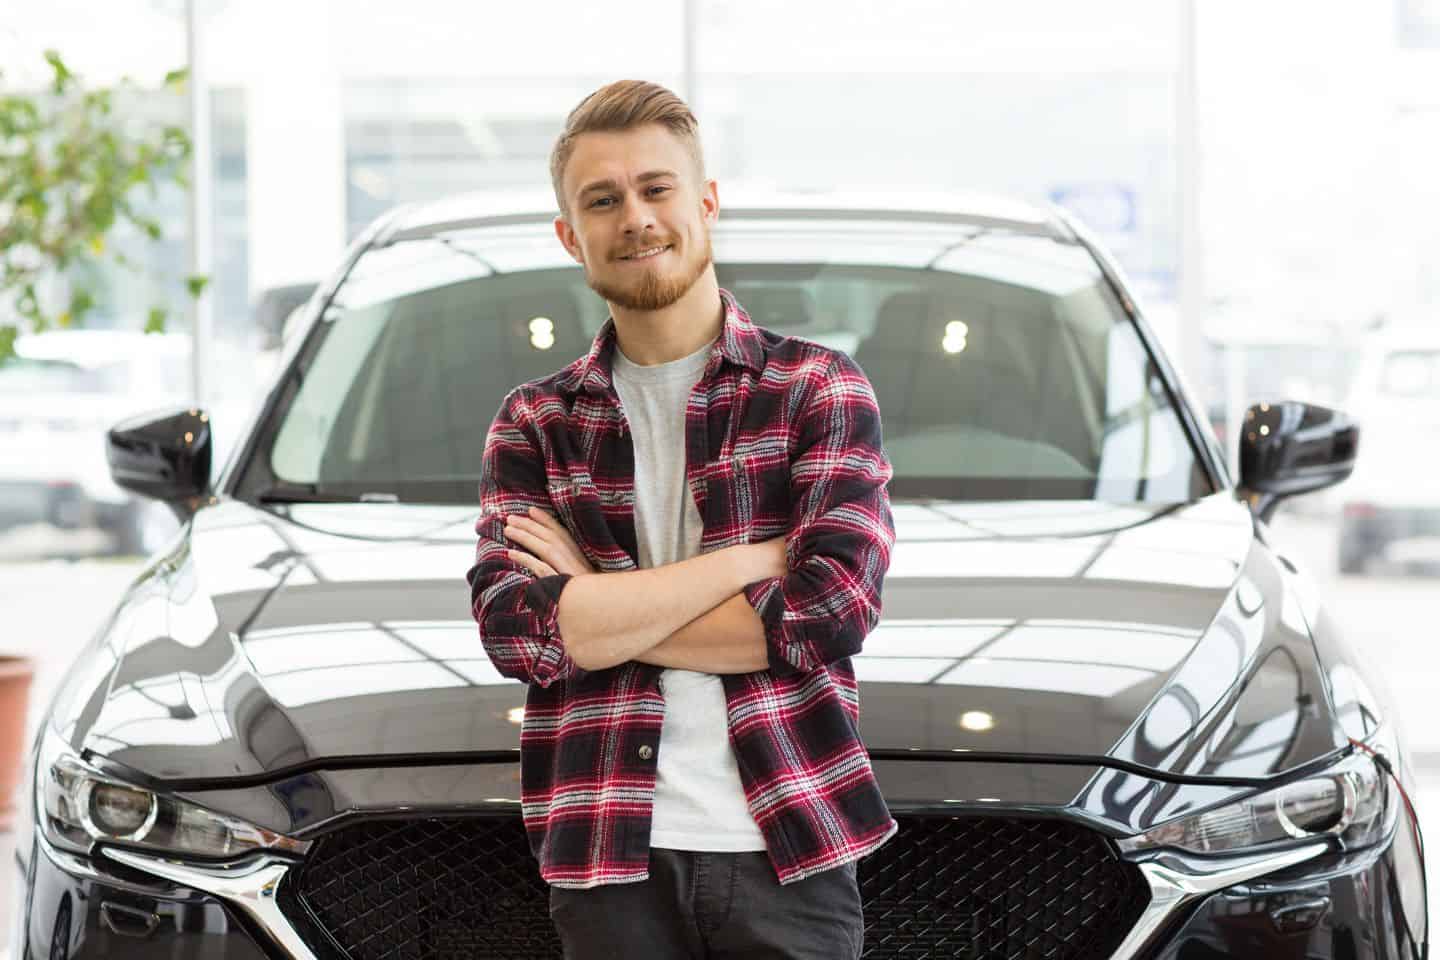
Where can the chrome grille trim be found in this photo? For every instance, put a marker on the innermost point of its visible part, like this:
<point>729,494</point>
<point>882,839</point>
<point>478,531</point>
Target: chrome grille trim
<point>250,887</point>
<point>1175,881</point>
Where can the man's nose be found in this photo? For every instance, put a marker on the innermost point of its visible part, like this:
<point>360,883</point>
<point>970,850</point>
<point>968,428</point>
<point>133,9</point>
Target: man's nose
<point>638,216</point>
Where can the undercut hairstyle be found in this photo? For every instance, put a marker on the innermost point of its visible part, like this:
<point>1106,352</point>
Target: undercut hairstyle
<point>624,105</point>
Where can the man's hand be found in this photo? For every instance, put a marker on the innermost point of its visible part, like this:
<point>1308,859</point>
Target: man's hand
<point>550,547</point>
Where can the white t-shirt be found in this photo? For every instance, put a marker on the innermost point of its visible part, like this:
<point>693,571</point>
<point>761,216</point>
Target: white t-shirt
<point>699,802</point>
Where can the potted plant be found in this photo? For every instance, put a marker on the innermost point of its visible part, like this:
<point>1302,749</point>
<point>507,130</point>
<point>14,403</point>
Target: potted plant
<point>15,676</point>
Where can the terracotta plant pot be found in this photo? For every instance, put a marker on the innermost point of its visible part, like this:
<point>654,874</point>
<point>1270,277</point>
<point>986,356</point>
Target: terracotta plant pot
<point>15,676</point>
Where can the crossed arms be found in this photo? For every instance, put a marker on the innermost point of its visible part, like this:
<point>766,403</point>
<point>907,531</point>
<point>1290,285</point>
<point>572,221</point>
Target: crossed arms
<point>787,605</point>
<point>689,614</point>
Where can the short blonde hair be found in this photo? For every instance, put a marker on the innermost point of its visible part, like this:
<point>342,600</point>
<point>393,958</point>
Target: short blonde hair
<point>624,105</point>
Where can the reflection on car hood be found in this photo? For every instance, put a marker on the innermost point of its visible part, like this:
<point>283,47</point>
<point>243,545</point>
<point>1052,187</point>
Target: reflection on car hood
<point>1161,636</point>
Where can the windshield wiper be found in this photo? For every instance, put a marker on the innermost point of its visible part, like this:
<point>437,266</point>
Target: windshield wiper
<point>310,493</point>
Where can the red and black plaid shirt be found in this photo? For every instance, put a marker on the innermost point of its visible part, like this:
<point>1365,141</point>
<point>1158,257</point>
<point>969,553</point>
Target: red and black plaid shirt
<point>782,437</point>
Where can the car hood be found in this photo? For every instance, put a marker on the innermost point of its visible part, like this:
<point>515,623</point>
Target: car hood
<point>280,642</point>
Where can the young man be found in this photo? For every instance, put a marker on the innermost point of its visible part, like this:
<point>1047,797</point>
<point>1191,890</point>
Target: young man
<point>682,540</point>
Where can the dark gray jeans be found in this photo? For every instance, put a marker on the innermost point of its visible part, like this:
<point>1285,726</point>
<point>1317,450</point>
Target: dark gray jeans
<point>709,906</point>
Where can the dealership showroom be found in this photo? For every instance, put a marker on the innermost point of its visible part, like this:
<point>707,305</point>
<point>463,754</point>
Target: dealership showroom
<point>719,478</point>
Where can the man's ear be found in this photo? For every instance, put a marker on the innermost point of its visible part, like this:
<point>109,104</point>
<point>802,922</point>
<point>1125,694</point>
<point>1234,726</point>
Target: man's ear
<point>710,201</point>
<point>569,240</point>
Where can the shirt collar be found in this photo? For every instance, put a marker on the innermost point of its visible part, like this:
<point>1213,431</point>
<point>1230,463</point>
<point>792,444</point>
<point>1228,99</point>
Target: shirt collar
<point>739,342</point>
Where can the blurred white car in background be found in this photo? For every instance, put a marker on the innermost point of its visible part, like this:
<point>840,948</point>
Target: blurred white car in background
<point>30,490</point>
<point>58,396</point>
<point>1251,358</point>
<point>1391,504</point>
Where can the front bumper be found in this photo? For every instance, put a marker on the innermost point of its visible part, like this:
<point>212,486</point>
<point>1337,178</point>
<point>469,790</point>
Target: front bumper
<point>1362,905</point>
<point>83,907</point>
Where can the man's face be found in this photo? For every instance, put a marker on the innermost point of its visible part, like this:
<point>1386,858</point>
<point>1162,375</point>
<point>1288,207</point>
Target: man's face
<point>639,218</point>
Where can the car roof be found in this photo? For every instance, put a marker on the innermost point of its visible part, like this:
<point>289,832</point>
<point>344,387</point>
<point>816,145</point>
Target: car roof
<point>471,210</point>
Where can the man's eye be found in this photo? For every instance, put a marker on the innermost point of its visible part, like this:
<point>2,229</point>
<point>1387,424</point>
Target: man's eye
<point>599,200</point>
<point>655,190</point>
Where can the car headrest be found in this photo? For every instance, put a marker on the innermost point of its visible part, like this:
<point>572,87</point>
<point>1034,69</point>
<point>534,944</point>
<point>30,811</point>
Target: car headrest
<point>907,317</point>
<point>773,306</point>
<point>517,314</point>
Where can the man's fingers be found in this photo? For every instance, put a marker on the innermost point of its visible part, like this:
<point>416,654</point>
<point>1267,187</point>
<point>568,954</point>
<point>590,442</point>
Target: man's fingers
<point>534,564</point>
<point>517,522</point>
<point>528,540</point>
<point>539,521</point>
<point>542,517</point>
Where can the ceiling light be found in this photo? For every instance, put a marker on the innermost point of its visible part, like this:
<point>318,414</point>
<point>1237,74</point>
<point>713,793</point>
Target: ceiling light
<point>977,721</point>
<point>542,333</point>
<point>956,334</point>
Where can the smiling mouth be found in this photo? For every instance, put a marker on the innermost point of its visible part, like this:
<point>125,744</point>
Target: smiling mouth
<point>647,253</point>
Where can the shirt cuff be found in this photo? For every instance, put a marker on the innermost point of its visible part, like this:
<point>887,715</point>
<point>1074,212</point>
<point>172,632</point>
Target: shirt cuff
<point>542,596</point>
<point>767,597</point>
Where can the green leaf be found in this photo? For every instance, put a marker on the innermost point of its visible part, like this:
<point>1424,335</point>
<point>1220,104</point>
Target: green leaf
<point>196,284</point>
<point>99,100</point>
<point>8,333</point>
<point>62,75</point>
<point>176,79</point>
<point>70,172</point>
<point>27,303</point>
<point>81,303</point>
<point>155,322</point>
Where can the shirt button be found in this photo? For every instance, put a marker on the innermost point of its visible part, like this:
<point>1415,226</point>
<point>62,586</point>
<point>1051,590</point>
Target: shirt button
<point>646,752</point>
<point>736,463</point>
<point>577,486</point>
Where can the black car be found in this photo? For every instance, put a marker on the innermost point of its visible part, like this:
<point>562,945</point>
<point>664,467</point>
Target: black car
<point>1111,718</point>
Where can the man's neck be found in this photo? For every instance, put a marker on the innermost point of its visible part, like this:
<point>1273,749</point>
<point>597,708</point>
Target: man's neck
<point>648,337</point>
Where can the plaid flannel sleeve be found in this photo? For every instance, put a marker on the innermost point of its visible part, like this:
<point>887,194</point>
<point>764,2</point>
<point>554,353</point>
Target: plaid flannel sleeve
<point>515,610</point>
<point>841,531</point>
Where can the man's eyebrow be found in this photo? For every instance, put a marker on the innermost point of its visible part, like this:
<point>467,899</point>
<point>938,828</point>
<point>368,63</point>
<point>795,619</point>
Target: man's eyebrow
<point>645,177</point>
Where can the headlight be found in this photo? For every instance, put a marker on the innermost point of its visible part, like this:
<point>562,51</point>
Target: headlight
<point>78,806</point>
<point>1350,801</point>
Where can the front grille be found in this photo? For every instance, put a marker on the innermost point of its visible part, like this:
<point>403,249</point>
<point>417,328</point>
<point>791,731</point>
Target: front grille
<point>981,888</point>
<point>429,890</point>
<point>997,889</point>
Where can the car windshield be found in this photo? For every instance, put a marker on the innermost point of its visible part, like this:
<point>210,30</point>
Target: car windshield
<point>1004,366</point>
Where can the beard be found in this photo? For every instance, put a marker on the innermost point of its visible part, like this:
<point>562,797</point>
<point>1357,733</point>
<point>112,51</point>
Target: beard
<point>653,288</point>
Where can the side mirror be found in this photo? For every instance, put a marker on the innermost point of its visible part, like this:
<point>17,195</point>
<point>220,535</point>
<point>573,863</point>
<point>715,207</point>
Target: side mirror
<point>164,455</point>
<point>1288,448</point>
